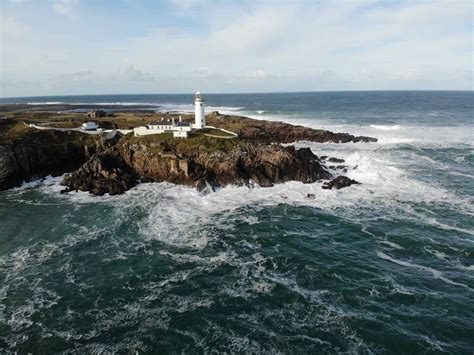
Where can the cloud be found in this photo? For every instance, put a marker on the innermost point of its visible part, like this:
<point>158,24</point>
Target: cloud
<point>12,30</point>
<point>65,7</point>
<point>127,71</point>
<point>251,45</point>
<point>258,74</point>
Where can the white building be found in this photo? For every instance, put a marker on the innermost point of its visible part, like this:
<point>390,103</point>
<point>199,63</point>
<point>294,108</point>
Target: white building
<point>180,134</point>
<point>90,126</point>
<point>180,129</point>
<point>199,116</point>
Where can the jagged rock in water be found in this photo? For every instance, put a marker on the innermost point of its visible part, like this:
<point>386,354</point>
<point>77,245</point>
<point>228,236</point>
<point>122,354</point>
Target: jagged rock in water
<point>104,172</point>
<point>116,170</point>
<point>339,182</point>
<point>336,160</point>
<point>264,165</point>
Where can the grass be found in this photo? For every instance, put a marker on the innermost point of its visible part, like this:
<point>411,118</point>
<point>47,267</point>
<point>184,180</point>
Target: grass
<point>13,128</point>
<point>196,141</point>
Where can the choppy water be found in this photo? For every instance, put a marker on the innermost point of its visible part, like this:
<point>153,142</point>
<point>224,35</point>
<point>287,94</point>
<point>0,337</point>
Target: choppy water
<point>386,266</point>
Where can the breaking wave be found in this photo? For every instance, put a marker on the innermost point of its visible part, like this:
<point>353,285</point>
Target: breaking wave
<point>386,127</point>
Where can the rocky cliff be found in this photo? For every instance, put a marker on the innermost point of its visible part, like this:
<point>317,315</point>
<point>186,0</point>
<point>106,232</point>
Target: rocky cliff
<point>116,169</point>
<point>42,153</point>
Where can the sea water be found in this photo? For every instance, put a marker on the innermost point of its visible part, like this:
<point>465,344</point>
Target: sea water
<point>385,266</point>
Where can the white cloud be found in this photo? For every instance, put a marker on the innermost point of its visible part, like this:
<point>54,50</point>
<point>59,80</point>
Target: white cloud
<point>65,7</point>
<point>127,71</point>
<point>265,46</point>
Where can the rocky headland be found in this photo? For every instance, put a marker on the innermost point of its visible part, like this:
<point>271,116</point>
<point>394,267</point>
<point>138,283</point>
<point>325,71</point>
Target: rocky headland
<point>256,157</point>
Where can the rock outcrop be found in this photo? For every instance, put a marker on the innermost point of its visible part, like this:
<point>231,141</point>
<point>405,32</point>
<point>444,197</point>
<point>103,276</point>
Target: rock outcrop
<point>339,183</point>
<point>105,172</point>
<point>264,165</point>
<point>116,170</point>
<point>280,132</point>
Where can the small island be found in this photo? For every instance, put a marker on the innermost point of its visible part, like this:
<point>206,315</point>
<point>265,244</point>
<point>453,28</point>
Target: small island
<point>112,148</point>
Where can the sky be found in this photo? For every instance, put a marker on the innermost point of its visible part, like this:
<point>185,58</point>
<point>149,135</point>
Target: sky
<point>70,47</point>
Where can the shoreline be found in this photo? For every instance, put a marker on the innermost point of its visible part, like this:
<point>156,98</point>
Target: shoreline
<point>262,152</point>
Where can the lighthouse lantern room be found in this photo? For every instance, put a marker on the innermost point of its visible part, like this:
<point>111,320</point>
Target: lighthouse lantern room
<point>200,118</point>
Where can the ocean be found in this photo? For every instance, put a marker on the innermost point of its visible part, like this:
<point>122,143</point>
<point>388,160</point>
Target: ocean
<point>382,267</point>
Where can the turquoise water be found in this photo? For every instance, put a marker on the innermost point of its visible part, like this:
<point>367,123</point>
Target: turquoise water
<point>384,267</point>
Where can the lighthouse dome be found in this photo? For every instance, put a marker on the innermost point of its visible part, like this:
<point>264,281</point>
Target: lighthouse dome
<point>198,96</point>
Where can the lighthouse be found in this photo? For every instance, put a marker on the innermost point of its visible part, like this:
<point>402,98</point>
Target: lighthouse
<point>200,118</point>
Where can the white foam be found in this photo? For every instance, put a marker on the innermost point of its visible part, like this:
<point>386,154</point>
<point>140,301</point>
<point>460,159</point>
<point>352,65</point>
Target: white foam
<point>392,244</point>
<point>435,273</point>
<point>48,180</point>
<point>386,127</point>
<point>396,134</point>
<point>45,103</point>
<point>182,216</point>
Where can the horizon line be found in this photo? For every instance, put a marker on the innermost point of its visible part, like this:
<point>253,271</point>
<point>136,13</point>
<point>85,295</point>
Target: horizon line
<point>246,93</point>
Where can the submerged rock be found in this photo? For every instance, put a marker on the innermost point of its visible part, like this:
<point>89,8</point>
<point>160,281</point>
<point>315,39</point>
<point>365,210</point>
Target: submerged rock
<point>339,182</point>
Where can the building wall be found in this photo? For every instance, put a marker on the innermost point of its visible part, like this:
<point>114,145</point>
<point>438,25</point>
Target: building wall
<point>180,134</point>
<point>183,166</point>
<point>144,131</point>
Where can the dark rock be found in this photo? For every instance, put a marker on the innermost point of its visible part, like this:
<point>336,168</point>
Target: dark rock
<point>339,183</point>
<point>104,172</point>
<point>312,196</point>
<point>279,132</point>
<point>40,154</point>
<point>245,164</point>
<point>337,167</point>
<point>264,165</point>
<point>336,160</point>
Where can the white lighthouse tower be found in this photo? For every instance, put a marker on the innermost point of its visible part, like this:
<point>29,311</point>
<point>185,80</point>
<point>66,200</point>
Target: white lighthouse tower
<point>200,118</point>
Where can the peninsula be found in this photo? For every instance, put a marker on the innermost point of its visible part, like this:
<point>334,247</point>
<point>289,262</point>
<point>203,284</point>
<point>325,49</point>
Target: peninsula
<point>129,145</point>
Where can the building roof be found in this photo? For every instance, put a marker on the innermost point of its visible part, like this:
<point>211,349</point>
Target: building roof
<point>169,123</point>
<point>161,123</point>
